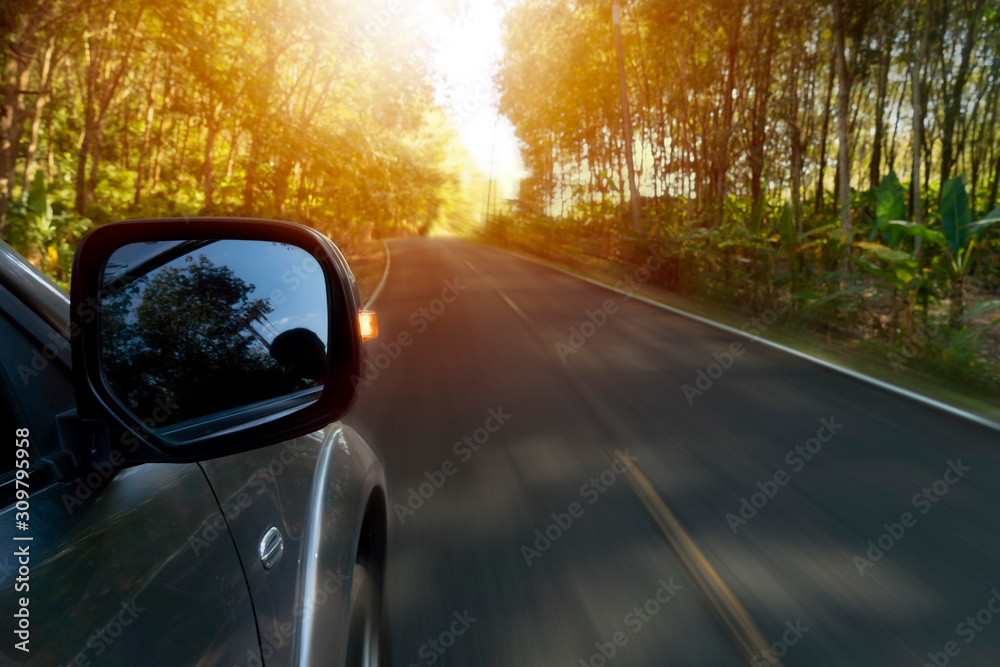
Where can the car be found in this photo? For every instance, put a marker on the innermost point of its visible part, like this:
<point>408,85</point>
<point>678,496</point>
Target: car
<point>177,488</point>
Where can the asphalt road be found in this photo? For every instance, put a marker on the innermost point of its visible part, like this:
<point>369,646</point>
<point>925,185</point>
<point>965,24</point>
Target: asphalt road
<point>486,398</point>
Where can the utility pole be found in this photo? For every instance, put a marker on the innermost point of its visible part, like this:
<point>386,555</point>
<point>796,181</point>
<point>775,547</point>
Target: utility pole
<point>616,20</point>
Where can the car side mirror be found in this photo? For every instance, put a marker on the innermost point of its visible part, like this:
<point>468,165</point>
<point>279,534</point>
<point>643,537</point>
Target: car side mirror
<point>208,336</point>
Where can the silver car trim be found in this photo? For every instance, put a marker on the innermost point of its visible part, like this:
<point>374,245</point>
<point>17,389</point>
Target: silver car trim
<point>272,545</point>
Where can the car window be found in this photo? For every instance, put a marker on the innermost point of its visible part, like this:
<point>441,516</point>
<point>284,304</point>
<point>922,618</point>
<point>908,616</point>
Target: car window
<point>7,427</point>
<point>35,380</point>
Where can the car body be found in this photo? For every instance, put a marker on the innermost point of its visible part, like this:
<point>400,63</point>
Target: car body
<point>269,555</point>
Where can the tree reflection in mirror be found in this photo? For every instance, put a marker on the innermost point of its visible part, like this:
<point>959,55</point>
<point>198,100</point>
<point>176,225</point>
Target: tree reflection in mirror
<point>197,328</point>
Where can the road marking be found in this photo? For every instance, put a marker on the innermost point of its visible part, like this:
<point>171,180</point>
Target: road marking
<point>507,299</point>
<point>381,283</point>
<point>734,617</point>
<point>881,384</point>
<point>513,306</point>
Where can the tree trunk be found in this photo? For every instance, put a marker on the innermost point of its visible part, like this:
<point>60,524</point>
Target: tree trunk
<point>20,44</point>
<point>158,159</point>
<point>147,135</point>
<point>916,205</point>
<point>100,95</point>
<point>50,157</point>
<point>762,96</point>
<point>86,139</point>
<point>722,168</point>
<point>953,105</point>
<point>994,185</point>
<point>633,189</point>
<point>180,156</point>
<point>843,111</point>
<point>884,63</point>
<point>251,175</point>
<point>207,166</point>
<point>11,128</point>
<point>41,98</point>
<point>825,133</point>
<point>981,141</point>
<point>281,174</point>
<point>891,157</point>
<point>126,131</point>
<point>96,152</point>
<point>233,150</point>
<point>795,140</point>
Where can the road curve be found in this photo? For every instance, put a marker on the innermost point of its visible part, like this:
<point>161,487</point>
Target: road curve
<point>849,524</point>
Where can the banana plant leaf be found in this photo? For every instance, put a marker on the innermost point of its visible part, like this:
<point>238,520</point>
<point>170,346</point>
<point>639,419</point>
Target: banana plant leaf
<point>882,275</point>
<point>786,227</point>
<point>890,204</point>
<point>923,231</point>
<point>984,307</point>
<point>991,218</point>
<point>956,216</point>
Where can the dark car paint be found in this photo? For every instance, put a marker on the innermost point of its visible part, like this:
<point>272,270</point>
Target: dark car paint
<point>115,581</point>
<point>314,489</point>
<point>180,541</point>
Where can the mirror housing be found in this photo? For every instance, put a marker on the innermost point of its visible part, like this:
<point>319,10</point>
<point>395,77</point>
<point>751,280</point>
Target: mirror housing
<point>139,437</point>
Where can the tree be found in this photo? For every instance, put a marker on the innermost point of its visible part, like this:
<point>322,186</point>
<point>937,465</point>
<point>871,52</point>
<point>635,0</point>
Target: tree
<point>180,333</point>
<point>268,107</point>
<point>843,118</point>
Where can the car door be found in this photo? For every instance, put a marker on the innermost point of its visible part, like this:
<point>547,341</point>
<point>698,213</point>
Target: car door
<point>121,566</point>
<point>319,497</point>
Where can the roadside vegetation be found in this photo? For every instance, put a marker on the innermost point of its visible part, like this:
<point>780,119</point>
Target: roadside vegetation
<point>318,111</point>
<point>847,153</point>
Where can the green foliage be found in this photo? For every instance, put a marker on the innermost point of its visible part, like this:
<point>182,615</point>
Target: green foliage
<point>735,124</point>
<point>901,227</point>
<point>988,220</point>
<point>47,238</point>
<point>984,307</point>
<point>786,227</point>
<point>277,108</point>
<point>956,216</point>
<point>890,207</point>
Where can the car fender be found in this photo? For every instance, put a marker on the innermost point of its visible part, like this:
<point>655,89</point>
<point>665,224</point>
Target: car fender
<point>314,490</point>
<point>347,476</point>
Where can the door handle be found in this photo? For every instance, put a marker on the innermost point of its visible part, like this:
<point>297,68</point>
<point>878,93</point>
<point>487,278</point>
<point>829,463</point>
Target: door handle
<point>272,545</point>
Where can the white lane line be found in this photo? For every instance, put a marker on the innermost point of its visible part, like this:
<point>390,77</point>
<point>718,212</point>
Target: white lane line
<point>912,395</point>
<point>381,283</point>
<point>513,306</point>
<point>735,619</point>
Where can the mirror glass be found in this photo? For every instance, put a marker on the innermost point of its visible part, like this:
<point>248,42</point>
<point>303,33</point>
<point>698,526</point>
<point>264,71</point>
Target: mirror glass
<point>198,337</point>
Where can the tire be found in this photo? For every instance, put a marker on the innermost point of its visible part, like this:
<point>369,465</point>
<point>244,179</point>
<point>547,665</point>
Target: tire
<point>368,642</point>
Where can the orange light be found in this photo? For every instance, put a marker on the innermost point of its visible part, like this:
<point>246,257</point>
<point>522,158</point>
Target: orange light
<point>369,325</point>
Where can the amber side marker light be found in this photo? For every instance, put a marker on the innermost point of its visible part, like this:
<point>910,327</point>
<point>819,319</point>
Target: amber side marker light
<point>369,325</point>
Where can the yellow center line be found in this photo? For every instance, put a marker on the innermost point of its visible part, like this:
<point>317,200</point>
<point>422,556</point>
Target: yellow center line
<point>734,617</point>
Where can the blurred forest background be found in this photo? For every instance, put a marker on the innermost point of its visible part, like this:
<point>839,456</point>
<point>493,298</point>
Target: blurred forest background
<point>847,152</point>
<point>318,111</point>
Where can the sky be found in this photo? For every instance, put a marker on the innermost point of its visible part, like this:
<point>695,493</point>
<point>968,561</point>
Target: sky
<point>467,57</point>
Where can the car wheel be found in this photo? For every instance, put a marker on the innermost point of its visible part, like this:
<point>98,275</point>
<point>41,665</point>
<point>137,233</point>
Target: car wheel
<point>368,642</point>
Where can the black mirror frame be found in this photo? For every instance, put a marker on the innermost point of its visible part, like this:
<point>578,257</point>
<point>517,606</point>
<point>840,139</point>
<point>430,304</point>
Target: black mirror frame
<point>94,400</point>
